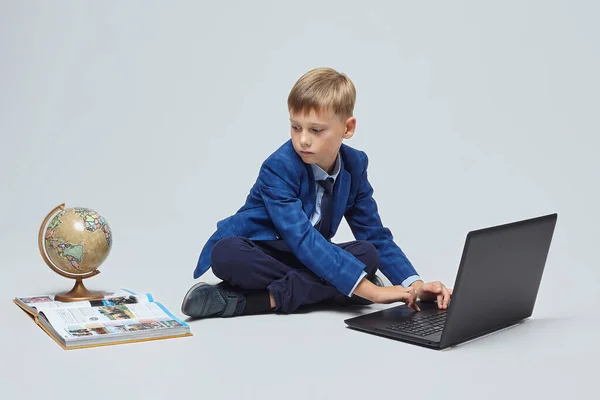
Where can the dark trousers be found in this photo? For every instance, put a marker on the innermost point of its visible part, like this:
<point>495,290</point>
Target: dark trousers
<point>253,266</point>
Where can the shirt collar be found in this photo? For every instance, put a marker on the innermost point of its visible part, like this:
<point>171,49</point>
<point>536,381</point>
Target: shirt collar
<point>320,174</point>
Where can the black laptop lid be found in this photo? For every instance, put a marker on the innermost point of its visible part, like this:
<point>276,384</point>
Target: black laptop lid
<point>498,278</point>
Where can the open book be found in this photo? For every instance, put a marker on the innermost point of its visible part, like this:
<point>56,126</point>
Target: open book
<point>121,317</point>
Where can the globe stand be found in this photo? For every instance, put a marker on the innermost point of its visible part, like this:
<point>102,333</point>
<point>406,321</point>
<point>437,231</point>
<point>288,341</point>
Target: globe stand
<point>79,291</point>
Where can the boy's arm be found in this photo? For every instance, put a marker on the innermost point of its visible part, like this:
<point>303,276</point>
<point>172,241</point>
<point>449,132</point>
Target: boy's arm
<point>364,221</point>
<point>279,187</point>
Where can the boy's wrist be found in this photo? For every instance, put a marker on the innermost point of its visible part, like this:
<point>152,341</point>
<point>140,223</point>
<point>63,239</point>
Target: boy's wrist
<point>417,286</point>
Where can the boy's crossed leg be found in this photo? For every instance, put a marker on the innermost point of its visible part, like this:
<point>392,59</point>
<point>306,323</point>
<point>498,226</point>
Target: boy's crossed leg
<point>260,277</point>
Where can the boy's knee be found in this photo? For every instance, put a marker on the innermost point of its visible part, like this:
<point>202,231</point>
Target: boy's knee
<point>224,254</point>
<point>367,253</point>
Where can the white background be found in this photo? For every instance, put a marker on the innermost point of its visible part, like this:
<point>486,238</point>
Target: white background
<point>159,114</point>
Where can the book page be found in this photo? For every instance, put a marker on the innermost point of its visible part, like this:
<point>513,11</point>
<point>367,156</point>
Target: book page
<point>122,296</point>
<point>111,320</point>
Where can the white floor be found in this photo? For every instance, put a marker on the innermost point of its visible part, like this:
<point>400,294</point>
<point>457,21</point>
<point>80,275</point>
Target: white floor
<point>306,355</point>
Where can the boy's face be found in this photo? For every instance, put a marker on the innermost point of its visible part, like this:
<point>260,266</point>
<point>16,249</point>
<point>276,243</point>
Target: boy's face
<point>317,137</point>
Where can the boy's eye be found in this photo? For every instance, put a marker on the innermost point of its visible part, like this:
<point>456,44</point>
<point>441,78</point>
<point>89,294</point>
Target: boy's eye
<point>315,130</point>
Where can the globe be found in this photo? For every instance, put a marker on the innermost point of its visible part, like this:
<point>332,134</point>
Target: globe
<point>74,243</point>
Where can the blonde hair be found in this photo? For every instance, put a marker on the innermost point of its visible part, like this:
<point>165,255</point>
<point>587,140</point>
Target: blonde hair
<point>323,89</point>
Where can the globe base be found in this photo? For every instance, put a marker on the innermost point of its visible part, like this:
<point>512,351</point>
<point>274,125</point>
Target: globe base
<point>79,293</point>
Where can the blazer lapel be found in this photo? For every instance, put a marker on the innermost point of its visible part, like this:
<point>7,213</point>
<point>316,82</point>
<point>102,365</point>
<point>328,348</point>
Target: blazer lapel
<point>310,203</point>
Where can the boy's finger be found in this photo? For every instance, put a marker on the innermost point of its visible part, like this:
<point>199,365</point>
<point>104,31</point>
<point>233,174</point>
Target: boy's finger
<point>413,300</point>
<point>446,297</point>
<point>407,299</point>
<point>413,305</point>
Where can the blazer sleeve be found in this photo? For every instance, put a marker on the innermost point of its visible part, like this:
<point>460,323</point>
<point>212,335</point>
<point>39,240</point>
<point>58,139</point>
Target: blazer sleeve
<point>365,223</point>
<point>279,185</point>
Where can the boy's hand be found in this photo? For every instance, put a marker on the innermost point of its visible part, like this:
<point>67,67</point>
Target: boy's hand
<point>433,291</point>
<point>387,294</point>
<point>392,294</point>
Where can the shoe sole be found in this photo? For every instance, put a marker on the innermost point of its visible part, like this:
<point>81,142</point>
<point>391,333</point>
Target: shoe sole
<point>189,292</point>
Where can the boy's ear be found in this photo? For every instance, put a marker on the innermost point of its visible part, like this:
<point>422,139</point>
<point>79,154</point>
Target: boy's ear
<point>350,127</point>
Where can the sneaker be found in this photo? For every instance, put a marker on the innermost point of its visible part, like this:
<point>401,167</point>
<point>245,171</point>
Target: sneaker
<point>204,300</point>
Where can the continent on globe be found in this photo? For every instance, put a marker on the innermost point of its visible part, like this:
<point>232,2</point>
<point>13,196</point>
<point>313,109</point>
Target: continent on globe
<point>72,252</point>
<point>94,222</point>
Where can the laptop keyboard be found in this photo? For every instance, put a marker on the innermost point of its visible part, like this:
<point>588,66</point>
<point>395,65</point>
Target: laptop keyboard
<point>421,325</point>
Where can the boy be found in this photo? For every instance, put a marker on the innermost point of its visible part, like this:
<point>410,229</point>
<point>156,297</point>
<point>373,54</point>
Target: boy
<point>275,254</point>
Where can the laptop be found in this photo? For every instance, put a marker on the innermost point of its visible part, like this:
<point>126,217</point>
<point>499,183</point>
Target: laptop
<point>496,287</point>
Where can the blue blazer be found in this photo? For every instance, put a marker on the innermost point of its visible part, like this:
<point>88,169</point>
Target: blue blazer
<point>279,207</point>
